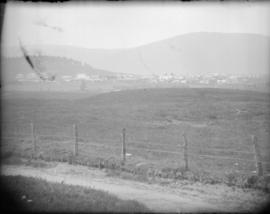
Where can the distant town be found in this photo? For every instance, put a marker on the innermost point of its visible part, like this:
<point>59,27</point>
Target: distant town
<point>169,78</point>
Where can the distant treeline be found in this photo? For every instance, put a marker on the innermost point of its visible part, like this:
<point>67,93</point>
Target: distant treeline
<point>12,66</point>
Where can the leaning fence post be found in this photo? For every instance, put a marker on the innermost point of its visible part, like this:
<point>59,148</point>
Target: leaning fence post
<point>75,130</point>
<point>33,137</point>
<point>185,151</point>
<point>123,145</point>
<point>257,155</point>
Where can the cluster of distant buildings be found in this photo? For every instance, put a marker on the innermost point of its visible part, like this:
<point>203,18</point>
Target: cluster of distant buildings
<point>209,79</point>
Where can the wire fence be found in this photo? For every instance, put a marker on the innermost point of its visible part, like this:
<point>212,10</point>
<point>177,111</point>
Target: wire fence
<point>28,139</point>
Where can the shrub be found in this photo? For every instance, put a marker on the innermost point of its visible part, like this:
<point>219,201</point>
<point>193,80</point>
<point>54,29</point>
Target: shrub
<point>263,183</point>
<point>212,117</point>
<point>189,175</point>
<point>231,179</point>
<point>251,181</point>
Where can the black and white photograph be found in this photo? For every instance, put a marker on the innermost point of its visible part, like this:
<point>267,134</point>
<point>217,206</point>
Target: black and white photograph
<point>135,107</point>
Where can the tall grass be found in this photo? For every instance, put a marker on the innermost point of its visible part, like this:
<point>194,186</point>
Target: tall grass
<point>31,194</point>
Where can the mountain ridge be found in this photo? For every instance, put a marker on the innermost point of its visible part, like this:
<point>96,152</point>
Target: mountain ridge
<point>156,41</point>
<point>187,54</point>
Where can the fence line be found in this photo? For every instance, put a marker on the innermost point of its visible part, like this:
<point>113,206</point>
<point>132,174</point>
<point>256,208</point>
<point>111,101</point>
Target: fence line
<point>132,141</point>
<point>165,151</point>
<point>75,130</point>
<point>170,152</point>
<point>15,137</point>
<point>155,144</point>
<point>154,150</point>
<point>115,146</point>
<point>221,157</point>
<point>224,150</point>
<point>257,156</point>
<point>187,150</point>
<point>131,148</point>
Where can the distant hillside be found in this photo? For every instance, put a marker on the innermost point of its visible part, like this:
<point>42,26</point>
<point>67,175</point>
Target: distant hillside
<point>194,53</point>
<point>13,66</point>
<point>203,53</point>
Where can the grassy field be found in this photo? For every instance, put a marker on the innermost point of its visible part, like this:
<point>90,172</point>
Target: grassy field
<point>218,124</point>
<point>31,194</point>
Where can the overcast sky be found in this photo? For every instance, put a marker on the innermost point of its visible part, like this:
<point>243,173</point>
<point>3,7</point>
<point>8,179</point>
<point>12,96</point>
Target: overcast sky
<point>124,25</point>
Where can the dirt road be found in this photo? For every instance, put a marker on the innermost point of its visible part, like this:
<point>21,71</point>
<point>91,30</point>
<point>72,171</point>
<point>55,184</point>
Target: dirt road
<point>181,198</point>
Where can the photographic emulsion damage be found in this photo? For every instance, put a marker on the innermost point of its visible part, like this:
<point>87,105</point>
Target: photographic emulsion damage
<point>135,107</point>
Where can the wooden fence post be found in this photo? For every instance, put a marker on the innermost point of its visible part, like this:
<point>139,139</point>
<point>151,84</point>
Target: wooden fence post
<point>124,145</point>
<point>33,137</point>
<point>75,130</point>
<point>185,151</point>
<point>257,155</point>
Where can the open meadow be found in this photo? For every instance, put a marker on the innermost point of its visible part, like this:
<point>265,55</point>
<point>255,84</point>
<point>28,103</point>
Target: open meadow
<point>218,125</point>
